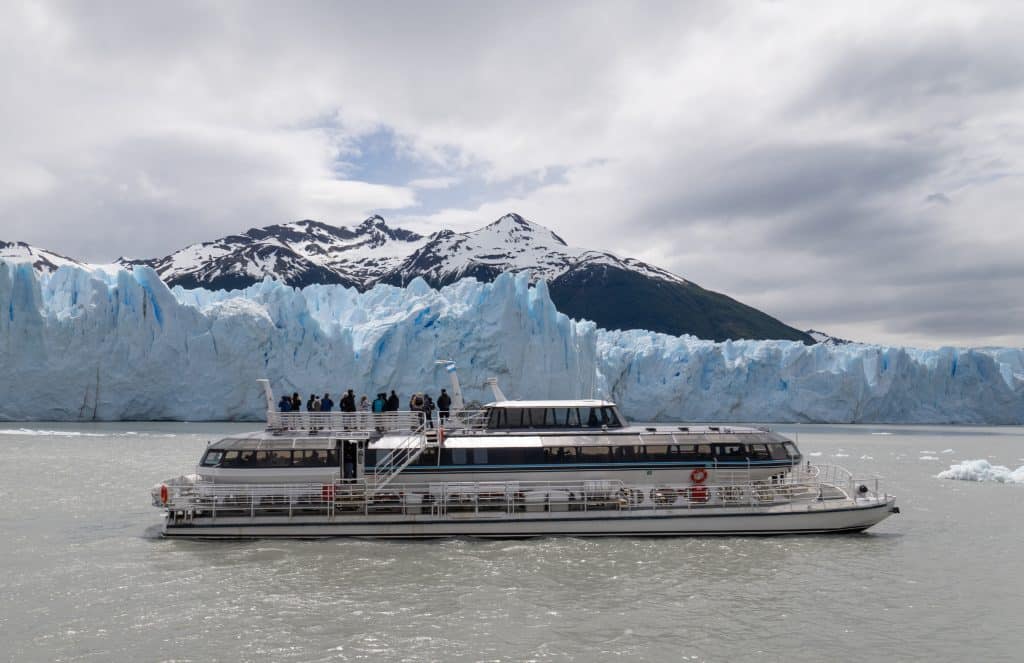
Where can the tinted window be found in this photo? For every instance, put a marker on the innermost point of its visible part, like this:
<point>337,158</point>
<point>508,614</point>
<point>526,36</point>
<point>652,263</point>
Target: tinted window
<point>777,451</point>
<point>427,457</point>
<point>625,453</point>
<point>212,458</point>
<point>309,458</point>
<point>730,451</point>
<point>594,454</point>
<point>758,451</point>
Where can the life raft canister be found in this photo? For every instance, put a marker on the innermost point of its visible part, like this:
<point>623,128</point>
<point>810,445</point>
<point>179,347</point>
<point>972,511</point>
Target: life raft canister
<point>697,494</point>
<point>164,496</point>
<point>699,475</point>
<point>327,492</point>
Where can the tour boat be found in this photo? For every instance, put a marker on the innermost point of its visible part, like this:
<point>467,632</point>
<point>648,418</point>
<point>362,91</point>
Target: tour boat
<point>513,469</point>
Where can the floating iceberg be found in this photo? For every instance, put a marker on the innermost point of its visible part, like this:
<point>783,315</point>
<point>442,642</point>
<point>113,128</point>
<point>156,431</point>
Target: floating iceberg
<point>102,345</point>
<point>982,470</point>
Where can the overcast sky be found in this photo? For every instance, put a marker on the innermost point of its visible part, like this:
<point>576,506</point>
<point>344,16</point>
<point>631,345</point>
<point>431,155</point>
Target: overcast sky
<point>854,167</point>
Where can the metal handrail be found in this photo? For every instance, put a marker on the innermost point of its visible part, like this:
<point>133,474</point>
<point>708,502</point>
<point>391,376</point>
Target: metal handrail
<point>399,457</point>
<point>497,498</point>
<point>347,422</point>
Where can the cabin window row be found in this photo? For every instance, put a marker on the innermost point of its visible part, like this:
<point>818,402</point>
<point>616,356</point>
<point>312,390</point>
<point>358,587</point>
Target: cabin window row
<point>552,417</point>
<point>271,458</point>
<point>602,454</point>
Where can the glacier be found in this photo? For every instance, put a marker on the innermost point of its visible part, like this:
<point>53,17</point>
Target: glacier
<point>81,344</point>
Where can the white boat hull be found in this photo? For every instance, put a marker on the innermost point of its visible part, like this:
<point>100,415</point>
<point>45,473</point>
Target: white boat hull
<point>817,518</point>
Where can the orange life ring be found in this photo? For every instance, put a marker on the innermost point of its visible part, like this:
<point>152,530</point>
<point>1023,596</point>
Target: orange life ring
<point>699,475</point>
<point>164,496</point>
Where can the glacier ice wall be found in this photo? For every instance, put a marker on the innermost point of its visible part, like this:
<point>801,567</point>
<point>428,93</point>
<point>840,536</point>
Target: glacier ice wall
<point>96,345</point>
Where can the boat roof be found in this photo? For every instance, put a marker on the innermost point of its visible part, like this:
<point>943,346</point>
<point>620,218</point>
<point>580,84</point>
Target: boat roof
<point>259,442</point>
<point>583,402</point>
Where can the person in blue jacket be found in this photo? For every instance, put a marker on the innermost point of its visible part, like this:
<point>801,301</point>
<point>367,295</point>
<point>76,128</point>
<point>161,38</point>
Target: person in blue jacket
<point>285,405</point>
<point>326,403</point>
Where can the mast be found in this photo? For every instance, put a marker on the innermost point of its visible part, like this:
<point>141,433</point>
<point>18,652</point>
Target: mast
<point>457,402</point>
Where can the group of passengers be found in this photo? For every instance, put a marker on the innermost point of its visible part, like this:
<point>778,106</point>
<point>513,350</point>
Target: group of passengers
<point>382,403</point>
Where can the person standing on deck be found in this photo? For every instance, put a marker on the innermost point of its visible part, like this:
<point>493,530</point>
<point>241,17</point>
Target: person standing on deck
<point>392,402</point>
<point>326,404</point>
<point>444,404</point>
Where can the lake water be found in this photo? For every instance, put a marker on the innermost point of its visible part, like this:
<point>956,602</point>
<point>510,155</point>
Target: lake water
<point>85,575</point>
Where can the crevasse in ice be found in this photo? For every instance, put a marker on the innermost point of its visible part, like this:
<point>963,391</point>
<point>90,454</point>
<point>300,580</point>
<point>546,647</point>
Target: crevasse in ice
<point>121,345</point>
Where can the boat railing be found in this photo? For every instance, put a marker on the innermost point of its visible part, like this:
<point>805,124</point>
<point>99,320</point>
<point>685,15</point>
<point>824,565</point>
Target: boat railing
<point>498,499</point>
<point>357,424</point>
<point>400,456</point>
<point>466,421</point>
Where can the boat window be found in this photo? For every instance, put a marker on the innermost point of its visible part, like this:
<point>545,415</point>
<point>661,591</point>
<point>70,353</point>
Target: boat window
<point>494,418</point>
<point>758,452</point>
<point>687,451</point>
<point>427,458</point>
<point>625,453</point>
<point>232,459</point>
<point>457,457</point>
<point>656,451</point>
<point>594,454</point>
<point>729,451</point>
<point>479,456</point>
<point>309,458</point>
<point>212,458</point>
<point>609,418</point>
<point>791,450</point>
<point>777,451</point>
<point>560,455</point>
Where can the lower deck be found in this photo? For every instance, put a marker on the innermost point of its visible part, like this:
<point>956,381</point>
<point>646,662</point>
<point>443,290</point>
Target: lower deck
<point>588,507</point>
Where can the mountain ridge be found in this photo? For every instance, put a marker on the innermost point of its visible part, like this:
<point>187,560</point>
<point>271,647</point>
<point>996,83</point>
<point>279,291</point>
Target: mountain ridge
<point>614,292</point>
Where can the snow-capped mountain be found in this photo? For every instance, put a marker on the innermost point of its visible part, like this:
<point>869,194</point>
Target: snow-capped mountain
<point>828,339</point>
<point>614,292</point>
<point>41,259</point>
<point>300,253</point>
<point>510,244</point>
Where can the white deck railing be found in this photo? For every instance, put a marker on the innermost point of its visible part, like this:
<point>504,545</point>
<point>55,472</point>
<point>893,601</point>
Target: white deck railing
<point>351,422</point>
<point>507,499</point>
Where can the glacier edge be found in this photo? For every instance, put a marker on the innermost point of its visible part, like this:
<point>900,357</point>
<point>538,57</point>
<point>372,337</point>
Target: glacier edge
<point>81,345</point>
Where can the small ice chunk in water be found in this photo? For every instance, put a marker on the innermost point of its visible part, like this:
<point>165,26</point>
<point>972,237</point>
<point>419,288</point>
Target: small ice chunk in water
<point>982,470</point>
<point>928,458</point>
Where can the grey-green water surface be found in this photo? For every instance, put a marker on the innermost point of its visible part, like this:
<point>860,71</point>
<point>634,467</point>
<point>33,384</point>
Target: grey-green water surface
<point>85,575</point>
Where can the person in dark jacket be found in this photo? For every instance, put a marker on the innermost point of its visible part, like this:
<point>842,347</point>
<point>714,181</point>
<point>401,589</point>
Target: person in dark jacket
<point>309,403</point>
<point>326,404</point>
<point>348,402</point>
<point>285,405</point>
<point>393,402</point>
<point>428,409</point>
<point>444,404</point>
<point>296,402</point>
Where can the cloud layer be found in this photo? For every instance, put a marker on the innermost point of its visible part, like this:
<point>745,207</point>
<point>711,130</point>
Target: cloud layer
<point>852,168</point>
